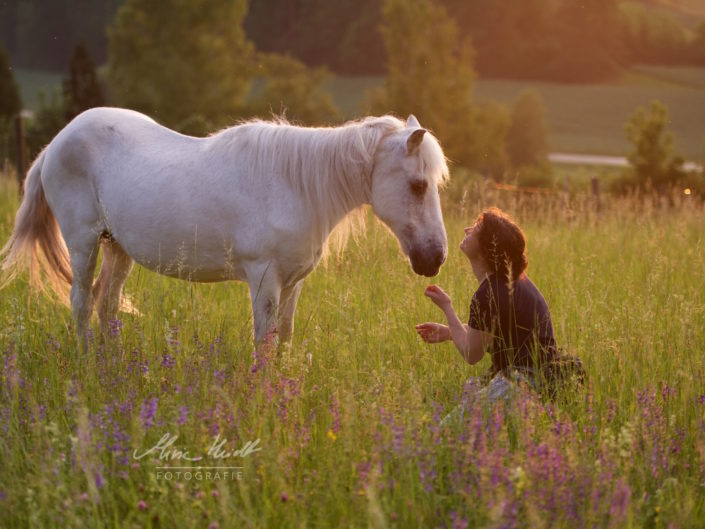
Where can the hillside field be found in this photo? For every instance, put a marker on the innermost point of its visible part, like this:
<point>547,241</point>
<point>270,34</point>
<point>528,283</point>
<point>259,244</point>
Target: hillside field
<point>587,118</point>
<point>581,118</point>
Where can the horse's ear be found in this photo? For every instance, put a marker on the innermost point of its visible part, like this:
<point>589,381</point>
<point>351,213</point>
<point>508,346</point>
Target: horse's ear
<point>412,122</point>
<point>414,140</point>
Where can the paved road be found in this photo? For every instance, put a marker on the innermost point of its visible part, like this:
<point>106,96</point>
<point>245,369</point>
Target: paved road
<point>594,159</point>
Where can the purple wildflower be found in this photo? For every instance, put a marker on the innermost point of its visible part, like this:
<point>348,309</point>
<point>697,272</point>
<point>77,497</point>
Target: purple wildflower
<point>220,377</point>
<point>99,480</point>
<point>168,361</point>
<point>147,412</point>
<point>363,471</point>
<point>621,497</point>
<point>667,391</point>
<point>114,326</point>
<point>183,415</point>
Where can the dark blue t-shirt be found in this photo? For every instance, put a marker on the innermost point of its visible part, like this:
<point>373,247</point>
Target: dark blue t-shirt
<point>518,320</point>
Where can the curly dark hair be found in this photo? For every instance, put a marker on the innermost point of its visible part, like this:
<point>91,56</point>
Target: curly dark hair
<point>502,244</point>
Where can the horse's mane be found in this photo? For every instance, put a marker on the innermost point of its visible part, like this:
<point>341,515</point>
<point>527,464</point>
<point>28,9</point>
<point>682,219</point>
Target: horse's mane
<point>325,165</point>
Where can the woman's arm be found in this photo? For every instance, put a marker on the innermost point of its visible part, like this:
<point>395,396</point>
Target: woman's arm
<point>471,343</point>
<point>467,340</point>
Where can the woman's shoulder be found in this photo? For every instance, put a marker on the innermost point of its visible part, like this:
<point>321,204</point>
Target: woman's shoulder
<point>528,285</point>
<point>529,293</point>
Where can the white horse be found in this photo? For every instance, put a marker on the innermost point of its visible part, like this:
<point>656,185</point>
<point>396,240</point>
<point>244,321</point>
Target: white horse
<point>255,202</point>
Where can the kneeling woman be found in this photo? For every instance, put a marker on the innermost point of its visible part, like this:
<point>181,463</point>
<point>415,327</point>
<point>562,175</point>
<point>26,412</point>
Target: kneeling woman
<point>509,318</point>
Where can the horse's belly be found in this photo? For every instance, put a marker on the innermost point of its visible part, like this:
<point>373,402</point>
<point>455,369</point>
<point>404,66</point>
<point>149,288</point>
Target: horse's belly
<point>203,270</point>
<point>198,275</point>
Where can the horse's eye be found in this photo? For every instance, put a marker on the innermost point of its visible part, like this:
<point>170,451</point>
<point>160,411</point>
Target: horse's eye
<point>418,187</point>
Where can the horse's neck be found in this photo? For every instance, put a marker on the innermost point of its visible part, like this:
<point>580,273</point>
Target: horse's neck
<point>345,187</point>
<point>330,169</point>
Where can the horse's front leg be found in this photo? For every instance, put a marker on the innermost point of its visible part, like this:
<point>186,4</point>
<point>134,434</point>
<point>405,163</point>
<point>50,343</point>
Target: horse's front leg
<point>290,297</point>
<point>265,291</point>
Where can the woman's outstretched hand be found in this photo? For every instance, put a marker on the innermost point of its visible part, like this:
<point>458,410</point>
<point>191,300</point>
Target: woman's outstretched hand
<point>438,296</point>
<point>433,332</point>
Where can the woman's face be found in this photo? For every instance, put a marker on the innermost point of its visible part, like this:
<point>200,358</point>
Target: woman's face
<point>470,245</point>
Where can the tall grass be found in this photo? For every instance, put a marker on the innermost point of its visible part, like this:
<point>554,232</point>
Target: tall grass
<point>348,418</point>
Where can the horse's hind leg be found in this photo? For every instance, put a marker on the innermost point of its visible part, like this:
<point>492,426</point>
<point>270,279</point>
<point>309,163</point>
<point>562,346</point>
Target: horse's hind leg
<point>84,252</point>
<point>111,278</point>
<point>69,191</point>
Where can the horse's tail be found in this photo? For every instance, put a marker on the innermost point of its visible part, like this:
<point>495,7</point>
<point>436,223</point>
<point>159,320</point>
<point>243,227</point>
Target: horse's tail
<point>36,243</point>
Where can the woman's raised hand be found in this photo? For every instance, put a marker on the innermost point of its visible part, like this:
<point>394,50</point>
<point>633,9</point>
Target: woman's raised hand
<point>433,332</point>
<point>438,296</point>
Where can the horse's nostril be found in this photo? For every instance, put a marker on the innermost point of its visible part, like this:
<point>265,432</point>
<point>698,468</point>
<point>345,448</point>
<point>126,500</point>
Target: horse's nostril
<point>440,259</point>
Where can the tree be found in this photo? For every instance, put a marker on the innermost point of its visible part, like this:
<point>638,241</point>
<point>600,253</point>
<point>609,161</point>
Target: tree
<point>9,93</point>
<point>292,89</point>
<point>652,37</point>
<point>513,38</point>
<point>492,121</point>
<point>175,58</point>
<point>589,37</point>
<point>340,35</point>
<point>81,89</point>
<point>527,137</point>
<point>429,74</point>
<point>653,160</point>
<point>189,64</point>
<point>10,104</point>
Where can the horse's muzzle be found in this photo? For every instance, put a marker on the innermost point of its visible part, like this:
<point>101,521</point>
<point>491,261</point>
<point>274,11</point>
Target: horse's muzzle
<point>427,262</point>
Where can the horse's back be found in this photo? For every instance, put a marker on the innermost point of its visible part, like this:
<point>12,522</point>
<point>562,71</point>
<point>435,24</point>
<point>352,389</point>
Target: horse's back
<point>107,146</point>
<point>102,130</point>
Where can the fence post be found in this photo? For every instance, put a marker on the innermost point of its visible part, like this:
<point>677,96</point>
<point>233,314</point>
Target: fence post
<point>5,151</point>
<point>595,186</point>
<point>19,142</point>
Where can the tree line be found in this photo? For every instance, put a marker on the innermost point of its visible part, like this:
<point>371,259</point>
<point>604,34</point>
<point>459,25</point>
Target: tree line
<point>563,40</point>
<point>191,65</point>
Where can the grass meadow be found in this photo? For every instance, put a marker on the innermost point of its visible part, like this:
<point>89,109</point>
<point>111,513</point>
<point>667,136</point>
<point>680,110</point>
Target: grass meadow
<point>348,419</point>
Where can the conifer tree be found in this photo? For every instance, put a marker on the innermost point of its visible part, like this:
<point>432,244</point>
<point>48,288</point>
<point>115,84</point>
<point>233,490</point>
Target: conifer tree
<point>9,93</point>
<point>81,89</point>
